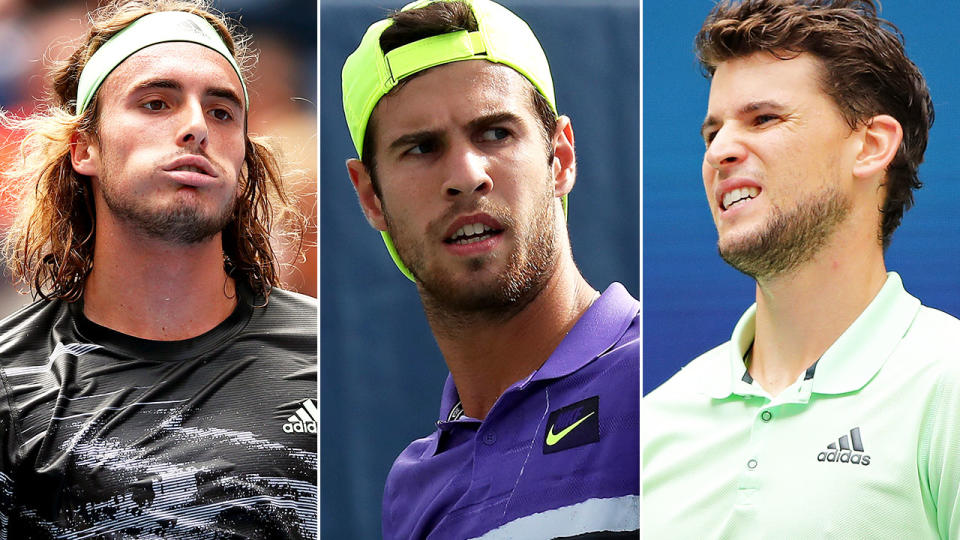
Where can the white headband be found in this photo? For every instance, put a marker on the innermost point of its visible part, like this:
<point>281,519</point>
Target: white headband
<point>160,27</point>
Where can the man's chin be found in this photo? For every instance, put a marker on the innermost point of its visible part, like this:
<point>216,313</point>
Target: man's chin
<point>737,247</point>
<point>749,254</point>
<point>786,240</point>
<point>182,227</point>
<point>474,288</point>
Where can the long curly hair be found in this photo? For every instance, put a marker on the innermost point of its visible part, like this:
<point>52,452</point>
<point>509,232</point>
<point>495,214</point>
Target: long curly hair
<point>50,245</point>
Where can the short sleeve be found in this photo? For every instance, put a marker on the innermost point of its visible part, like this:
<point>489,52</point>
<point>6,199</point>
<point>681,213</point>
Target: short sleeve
<point>939,453</point>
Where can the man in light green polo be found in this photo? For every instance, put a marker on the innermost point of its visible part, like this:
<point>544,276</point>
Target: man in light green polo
<point>834,410</point>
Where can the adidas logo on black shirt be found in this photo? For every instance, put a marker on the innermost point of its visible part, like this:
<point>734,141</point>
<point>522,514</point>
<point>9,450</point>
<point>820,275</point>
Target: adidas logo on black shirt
<point>846,454</point>
<point>305,419</point>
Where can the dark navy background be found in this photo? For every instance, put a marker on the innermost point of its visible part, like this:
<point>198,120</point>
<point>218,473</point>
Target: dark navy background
<point>381,371</point>
<point>691,298</point>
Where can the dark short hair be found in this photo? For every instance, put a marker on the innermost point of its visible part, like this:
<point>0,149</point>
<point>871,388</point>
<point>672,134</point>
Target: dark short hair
<point>433,20</point>
<point>865,71</point>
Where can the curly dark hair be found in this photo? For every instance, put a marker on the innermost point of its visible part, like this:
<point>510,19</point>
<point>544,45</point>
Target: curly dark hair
<point>865,71</point>
<point>50,246</point>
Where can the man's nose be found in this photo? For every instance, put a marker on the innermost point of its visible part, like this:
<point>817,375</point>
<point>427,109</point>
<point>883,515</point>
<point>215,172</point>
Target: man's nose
<point>467,172</point>
<point>725,149</point>
<point>193,129</point>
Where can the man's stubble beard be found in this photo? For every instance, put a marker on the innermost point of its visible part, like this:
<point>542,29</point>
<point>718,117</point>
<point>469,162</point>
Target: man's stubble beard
<point>532,260</point>
<point>789,238</point>
<point>177,223</point>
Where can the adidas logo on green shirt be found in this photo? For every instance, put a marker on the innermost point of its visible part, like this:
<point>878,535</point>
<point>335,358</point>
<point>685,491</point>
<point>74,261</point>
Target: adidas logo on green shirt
<point>844,453</point>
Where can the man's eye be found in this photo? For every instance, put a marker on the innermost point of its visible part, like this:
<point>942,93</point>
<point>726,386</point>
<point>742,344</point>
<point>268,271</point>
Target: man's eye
<point>422,148</point>
<point>222,114</point>
<point>495,134</point>
<point>154,105</point>
<point>763,119</point>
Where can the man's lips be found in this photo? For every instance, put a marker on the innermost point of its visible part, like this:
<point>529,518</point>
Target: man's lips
<point>472,229</point>
<point>731,192</point>
<point>738,195</point>
<point>192,170</point>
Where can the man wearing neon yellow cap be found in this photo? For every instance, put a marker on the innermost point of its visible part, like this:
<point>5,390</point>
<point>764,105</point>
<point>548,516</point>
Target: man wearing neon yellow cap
<point>465,168</point>
<point>161,385</point>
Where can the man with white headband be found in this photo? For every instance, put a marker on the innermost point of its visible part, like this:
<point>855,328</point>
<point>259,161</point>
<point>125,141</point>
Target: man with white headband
<point>162,385</point>
<point>465,168</point>
<point>834,409</point>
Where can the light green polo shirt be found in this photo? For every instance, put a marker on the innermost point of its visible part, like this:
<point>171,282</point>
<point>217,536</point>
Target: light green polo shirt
<point>865,444</point>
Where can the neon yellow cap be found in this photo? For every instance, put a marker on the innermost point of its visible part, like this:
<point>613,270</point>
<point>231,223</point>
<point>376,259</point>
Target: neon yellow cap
<point>159,27</point>
<point>501,37</point>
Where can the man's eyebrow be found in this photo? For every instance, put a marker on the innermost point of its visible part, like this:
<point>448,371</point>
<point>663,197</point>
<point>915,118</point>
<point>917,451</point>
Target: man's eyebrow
<point>495,118</point>
<point>430,134</point>
<point>227,94</point>
<point>158,83</point>
<point>747,108</point>
<point>414,138</point>
<point>222,92</point>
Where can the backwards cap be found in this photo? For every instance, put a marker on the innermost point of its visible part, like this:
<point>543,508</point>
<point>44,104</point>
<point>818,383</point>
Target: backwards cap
<point>501,37</point>
<point>159,27</point>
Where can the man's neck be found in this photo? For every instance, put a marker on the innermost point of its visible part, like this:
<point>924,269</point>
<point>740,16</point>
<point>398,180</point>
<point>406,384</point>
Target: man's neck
<point>487,355</point>
<point>156,290</point>
<point>802,313</point>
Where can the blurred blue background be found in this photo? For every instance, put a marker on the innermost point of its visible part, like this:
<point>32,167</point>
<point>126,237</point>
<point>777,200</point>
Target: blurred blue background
<point>691,298</point>
<point>381,371</point>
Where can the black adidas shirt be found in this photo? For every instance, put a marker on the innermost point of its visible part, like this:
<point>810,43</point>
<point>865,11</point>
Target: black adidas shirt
<point>108,436</point>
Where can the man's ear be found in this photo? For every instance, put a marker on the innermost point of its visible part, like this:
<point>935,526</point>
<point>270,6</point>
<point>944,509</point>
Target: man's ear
<point>85,154</point>
<point>369,201</point>
<point>564,158</point>
<point>881,140</point>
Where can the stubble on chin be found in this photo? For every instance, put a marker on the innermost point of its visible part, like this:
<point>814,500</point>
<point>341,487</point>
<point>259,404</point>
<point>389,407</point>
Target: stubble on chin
<point>525,270</point>
<point>789,238</point>
<point>183,224</point>
<point>178,221</point>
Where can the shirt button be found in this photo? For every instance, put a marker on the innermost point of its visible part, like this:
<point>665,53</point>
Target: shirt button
<point>766,416</point>
<point>752,464</point>
<point>489,438</point>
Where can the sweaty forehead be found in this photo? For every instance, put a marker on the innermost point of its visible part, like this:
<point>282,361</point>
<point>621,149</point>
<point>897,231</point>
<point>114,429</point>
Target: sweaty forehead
<point>182,62</point>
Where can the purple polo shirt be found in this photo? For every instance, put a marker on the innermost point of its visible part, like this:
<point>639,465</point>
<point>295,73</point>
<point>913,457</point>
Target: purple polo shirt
<point>557,455</point>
